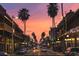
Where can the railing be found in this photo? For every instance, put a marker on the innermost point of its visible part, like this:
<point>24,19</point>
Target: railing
<point>5,27</point>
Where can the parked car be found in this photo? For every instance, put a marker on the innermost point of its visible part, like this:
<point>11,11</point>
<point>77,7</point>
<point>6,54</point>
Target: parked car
<point>72,51</point>
<point>2,53</point>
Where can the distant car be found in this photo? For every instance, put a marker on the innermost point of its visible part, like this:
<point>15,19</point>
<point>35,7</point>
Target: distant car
<point>72,51</point>
<point>44,49</point>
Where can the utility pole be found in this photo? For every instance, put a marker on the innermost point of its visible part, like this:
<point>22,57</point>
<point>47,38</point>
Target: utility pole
<point>62,10</point>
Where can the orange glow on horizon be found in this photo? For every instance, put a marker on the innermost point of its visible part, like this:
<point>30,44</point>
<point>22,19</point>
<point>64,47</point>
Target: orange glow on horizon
<point>40,22</point>
<point>37,26</point>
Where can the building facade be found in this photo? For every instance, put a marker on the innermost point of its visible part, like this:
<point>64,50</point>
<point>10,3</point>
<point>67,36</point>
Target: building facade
<point>10,34</point>
<point>68,30</point>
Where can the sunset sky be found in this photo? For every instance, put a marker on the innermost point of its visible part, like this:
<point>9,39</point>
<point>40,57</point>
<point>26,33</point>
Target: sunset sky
<point>39,21</point>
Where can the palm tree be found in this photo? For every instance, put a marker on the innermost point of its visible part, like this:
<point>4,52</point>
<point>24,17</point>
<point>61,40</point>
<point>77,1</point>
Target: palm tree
<point>52,12</point>
<point>24,16</point>
<point>34,37</point>
<point>42,36</point>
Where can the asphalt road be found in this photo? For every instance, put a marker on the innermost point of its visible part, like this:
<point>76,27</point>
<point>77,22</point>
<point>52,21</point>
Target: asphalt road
<point>39,52</point>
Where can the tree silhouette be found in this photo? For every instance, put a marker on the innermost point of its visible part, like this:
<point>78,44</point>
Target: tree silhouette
<point>34,36</point>
<point>24,16</point>
<point>52,12</point>
<point>42,36</point>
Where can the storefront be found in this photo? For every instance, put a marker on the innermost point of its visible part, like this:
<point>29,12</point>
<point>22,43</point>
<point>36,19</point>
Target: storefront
<point>70,38</point>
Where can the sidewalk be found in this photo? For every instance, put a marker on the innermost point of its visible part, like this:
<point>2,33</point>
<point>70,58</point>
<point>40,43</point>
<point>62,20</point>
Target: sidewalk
<point>59,53</point>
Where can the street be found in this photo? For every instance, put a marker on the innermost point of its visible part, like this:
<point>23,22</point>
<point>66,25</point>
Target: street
<point>39,52</point>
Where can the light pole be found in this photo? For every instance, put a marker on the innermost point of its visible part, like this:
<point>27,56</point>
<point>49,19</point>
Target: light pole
<point>63,39</point>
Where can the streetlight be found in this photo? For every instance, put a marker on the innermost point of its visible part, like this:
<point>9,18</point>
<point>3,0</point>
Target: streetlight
<point>67,36</point>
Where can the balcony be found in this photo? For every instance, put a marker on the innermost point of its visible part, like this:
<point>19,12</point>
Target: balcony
<point>4,26</point>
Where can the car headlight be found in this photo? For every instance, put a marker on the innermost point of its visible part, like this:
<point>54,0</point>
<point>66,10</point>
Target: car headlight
<point>5,53</point>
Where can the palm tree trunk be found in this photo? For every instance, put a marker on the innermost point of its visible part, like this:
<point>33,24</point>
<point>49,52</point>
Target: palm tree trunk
<point>53,22</point>
<point>24,26</point>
